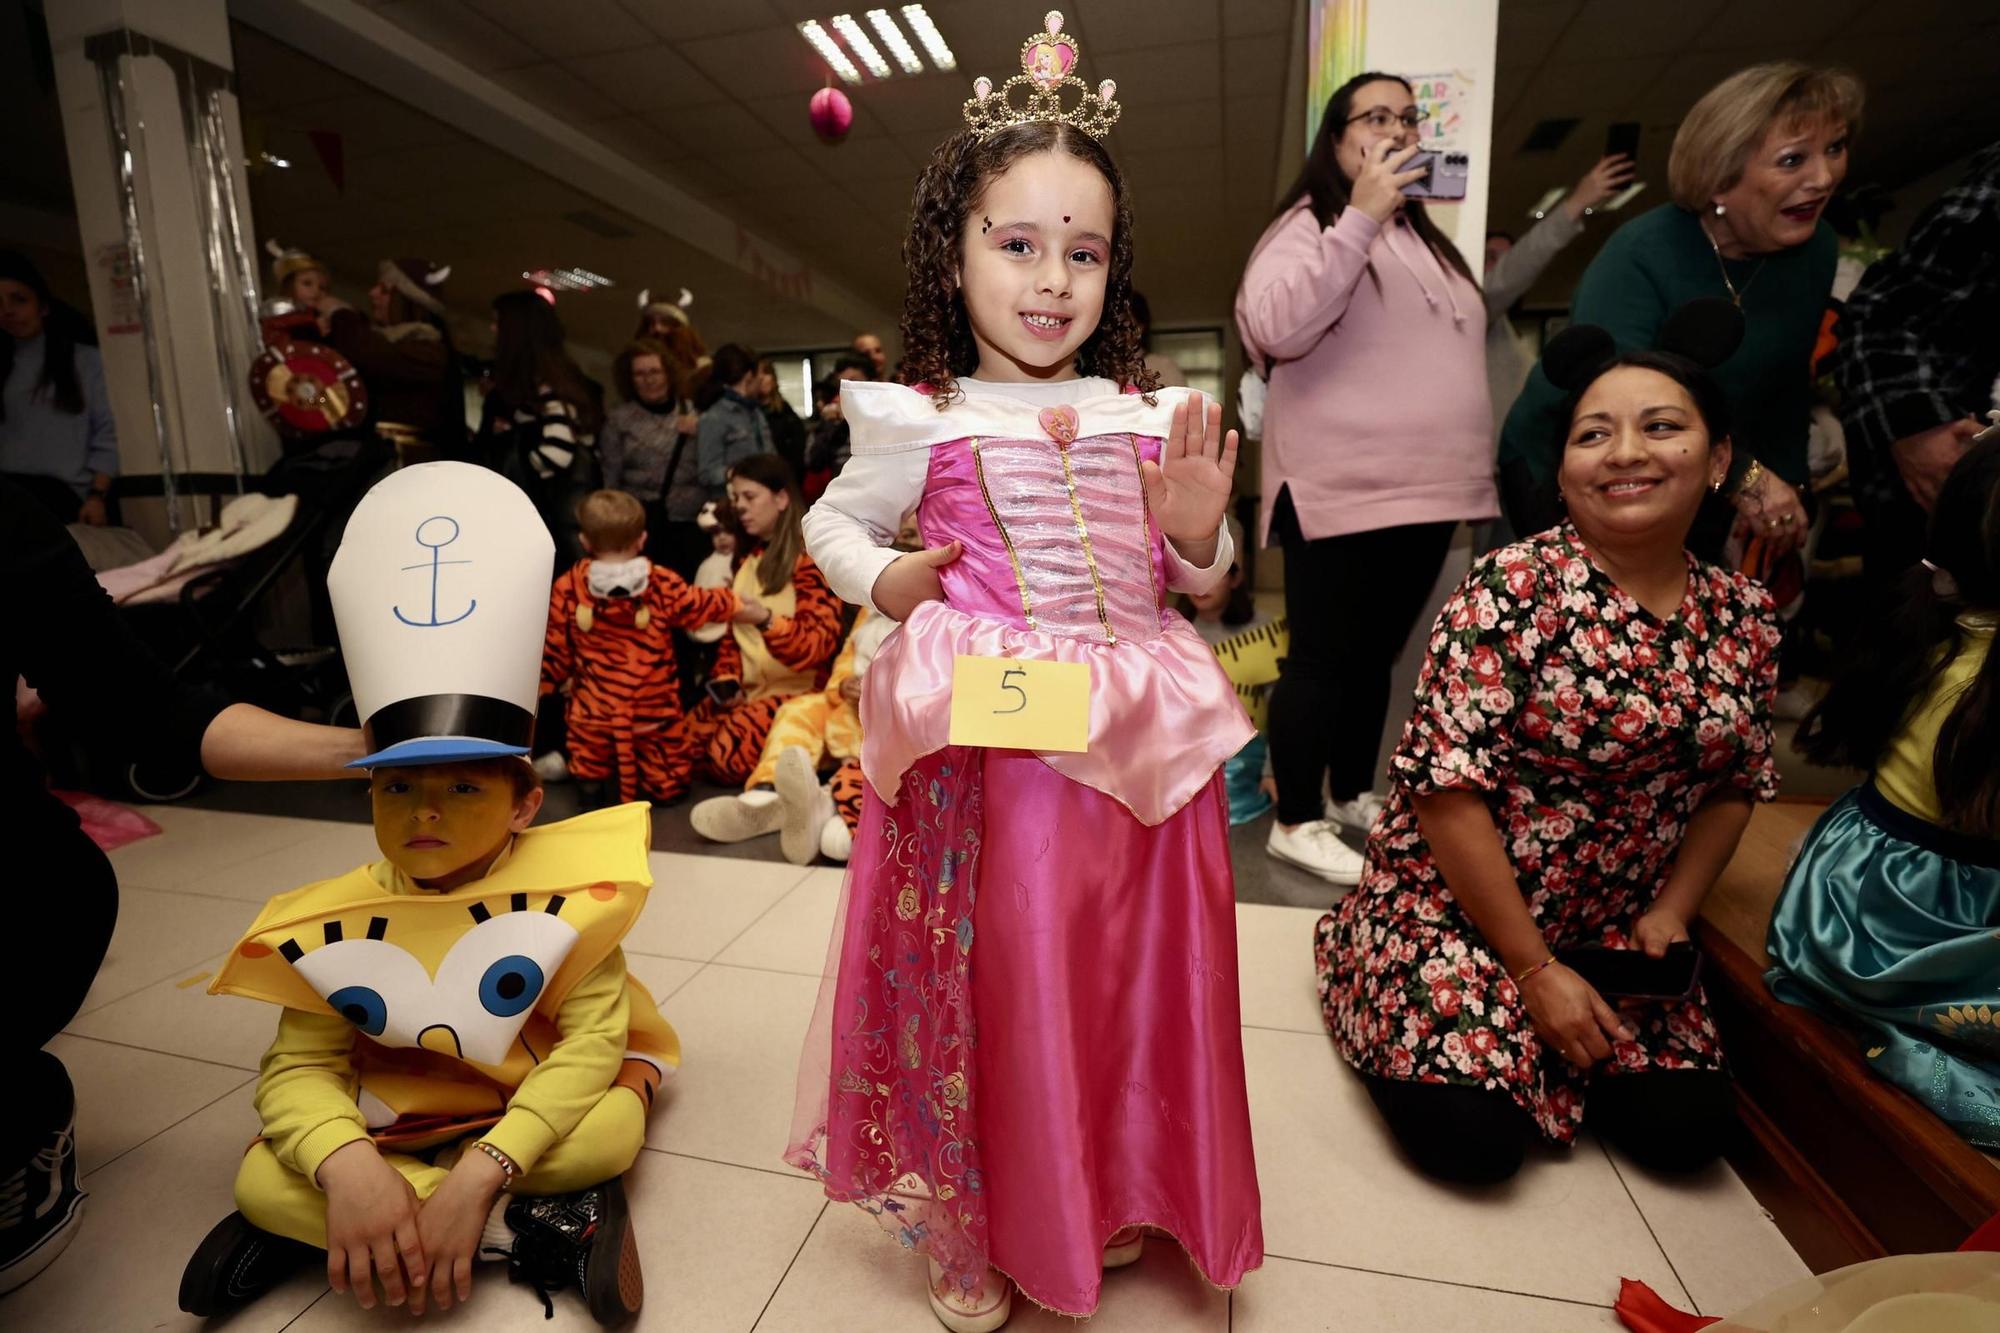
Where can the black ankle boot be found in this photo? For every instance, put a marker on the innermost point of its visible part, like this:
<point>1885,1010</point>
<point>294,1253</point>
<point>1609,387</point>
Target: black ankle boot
<point>236,1263</point>
<point>582,1240</point>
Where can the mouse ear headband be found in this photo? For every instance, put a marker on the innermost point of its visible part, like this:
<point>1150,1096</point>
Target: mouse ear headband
<point>1706,332</point>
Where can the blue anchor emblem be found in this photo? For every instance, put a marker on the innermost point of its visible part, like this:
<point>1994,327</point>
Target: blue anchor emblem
<point>433,564</point>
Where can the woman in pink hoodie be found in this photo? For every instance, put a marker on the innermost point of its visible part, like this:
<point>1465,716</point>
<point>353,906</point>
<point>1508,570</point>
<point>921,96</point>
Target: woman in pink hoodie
<point>1378,441</point>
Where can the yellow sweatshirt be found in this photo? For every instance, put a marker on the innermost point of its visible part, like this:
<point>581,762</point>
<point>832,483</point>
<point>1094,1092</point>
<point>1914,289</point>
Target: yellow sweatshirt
<point>503,1005</point>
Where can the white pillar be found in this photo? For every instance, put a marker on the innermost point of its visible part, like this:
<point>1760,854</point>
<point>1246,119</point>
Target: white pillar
<point>156,156</point>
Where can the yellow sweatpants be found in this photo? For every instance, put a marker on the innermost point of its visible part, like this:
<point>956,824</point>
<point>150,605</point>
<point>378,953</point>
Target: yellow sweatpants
<point>604,1144</point>
<point>824,725</point>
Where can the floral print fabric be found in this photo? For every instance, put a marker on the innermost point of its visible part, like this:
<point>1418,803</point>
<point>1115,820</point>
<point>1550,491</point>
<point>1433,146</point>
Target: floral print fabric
<point>1593,730</point>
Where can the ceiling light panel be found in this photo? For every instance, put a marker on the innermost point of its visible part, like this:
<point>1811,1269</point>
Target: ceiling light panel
<point>858,42</point>
<point>829,50</point>
<point>567,279</point>
<point>919,22</point>
<point>892,37</point>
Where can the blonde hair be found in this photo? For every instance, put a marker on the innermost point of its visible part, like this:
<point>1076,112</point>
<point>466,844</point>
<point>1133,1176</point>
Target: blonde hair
<point>612,520</point>
<point>1715,140</point>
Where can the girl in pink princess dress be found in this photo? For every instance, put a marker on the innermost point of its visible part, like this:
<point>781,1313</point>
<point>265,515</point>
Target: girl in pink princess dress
<point>1027,1053</point>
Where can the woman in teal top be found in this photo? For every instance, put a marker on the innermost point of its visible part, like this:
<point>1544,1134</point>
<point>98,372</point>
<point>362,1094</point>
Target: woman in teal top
<point>1888,919</point>
<point>1752,168</point>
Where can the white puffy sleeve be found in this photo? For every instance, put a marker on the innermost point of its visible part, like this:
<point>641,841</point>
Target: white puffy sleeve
<point>850,528</point>
<point>1184,577</point>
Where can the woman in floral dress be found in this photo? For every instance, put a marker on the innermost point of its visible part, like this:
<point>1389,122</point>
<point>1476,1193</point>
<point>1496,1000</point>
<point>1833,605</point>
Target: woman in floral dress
<point>1591,728</point>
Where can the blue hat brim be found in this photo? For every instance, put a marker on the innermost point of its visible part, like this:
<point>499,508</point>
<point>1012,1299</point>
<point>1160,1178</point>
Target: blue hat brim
<point>439,750</point>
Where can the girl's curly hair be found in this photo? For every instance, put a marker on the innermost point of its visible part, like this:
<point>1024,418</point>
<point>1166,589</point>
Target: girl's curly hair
<point>937,333</point>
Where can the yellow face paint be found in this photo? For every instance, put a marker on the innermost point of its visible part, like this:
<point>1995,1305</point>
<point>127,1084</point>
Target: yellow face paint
<point>434,821</point>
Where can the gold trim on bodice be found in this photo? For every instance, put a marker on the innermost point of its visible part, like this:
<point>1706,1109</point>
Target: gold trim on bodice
<point>1083,535</point>
<point>1020,579</point>
<point>1145,517</point>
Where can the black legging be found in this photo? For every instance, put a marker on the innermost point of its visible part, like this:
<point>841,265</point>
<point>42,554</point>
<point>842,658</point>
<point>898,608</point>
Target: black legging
<point>64,910</point>
<point>1666,1119</point>
<point>1351,602</point>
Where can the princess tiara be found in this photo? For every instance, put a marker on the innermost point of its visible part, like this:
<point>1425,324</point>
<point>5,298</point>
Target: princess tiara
<point>1048,64</point>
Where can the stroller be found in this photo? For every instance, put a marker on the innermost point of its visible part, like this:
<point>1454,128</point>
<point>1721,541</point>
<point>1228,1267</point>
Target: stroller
<point>208,631</point>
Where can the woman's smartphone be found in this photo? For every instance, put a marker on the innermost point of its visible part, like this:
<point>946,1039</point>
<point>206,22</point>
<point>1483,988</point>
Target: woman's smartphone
<point>1630,974</point>
<point>1445,176</point>
<point>1622,140</point>
<point>724,692</point>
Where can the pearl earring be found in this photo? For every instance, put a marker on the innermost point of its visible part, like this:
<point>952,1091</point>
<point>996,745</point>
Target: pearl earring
<point>1720,210</point>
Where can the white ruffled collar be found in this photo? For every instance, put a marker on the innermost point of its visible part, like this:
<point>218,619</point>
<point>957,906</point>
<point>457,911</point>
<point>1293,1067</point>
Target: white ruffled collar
<point>894,418</point>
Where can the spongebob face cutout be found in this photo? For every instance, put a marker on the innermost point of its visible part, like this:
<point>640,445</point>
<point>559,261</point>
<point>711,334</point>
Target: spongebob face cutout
<point>471,1002</point>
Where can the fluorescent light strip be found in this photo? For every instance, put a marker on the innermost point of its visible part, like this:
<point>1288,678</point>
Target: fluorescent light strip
<point>920,23</point>
<point>857,42</point>
<point>830,51</point>
<point>892,37</point>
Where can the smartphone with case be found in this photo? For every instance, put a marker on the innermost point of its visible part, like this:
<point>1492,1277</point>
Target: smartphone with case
<point>1622,140</point>
<point>1629,974</point>
<point>1445,176</point>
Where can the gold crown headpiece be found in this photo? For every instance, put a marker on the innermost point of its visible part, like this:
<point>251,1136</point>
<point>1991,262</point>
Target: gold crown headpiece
<point>1048,65</point>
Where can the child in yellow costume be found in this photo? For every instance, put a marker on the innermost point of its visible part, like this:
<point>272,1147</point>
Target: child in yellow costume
<point>462,1068</point>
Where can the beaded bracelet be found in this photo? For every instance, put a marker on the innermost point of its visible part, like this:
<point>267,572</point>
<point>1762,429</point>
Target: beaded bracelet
<point>1523,976</point>
<point>507,1167</point>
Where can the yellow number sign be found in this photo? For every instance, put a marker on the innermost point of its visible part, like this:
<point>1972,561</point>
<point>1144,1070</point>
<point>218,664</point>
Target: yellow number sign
<point>1005,703</point>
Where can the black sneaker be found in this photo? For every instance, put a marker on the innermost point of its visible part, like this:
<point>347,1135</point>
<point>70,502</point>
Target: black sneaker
<point>583,1240</point>
<point>41,1206</point>
<point>236,1263</point>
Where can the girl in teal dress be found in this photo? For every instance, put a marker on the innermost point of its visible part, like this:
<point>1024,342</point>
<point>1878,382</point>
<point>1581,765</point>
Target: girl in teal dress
<point>1890,918</point>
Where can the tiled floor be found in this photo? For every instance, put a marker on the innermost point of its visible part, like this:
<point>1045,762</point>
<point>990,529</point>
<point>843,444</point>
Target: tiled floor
<point>733,1240</point>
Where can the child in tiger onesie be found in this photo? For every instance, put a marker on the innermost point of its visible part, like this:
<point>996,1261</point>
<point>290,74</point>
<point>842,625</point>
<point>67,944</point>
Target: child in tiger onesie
<point>610,647</point>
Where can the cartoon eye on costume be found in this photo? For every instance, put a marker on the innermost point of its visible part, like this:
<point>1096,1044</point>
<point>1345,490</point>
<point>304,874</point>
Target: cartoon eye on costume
<point>510,985</point>
<point>362,1006</point>
<point>480,991</point>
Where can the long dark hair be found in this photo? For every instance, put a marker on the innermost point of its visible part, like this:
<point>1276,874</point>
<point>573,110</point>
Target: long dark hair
<point>937,332</point>
<point>531,361</point>
<point>1894,669</point>
<point>1326,185</point>
<point>63,328</point>
<point>782,548</point>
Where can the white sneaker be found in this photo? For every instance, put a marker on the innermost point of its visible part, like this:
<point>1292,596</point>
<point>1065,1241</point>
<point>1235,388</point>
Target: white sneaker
<point>552,767</point>
<point>1124,1247</point>
<point>1316,847</point>
<point>1359,814</point>
<point>836,840</point>
<point>962,1313</point>
<point>806,806</point>
<point>1793,704</point>
<point>737,818</point>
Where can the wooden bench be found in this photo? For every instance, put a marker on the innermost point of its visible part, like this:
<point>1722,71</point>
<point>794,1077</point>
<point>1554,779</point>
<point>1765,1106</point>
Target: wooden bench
<point>1850,1166</point>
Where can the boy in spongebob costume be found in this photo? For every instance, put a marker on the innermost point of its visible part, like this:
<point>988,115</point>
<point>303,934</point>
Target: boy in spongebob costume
<point>463,1067</point>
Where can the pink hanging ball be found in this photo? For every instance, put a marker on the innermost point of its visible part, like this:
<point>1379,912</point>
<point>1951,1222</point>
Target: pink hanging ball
<point>832,115</point>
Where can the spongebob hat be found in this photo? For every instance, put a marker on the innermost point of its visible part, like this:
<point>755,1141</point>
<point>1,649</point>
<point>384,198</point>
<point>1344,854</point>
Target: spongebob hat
<point>441,591</point>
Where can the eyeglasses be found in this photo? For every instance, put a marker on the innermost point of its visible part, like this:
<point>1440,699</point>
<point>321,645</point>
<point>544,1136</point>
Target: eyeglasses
<point>1382,120</point>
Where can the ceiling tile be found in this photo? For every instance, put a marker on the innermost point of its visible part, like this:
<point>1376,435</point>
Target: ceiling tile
<point>751,65</point>
<point>1250,63</point>
<point>1190,70</point>
<point>1124,25</point>
<point>779,170</point>
<point>715,129</point>
<point>679,20</point>
<point>1603,32</point>
<point>1779,26</point>
<point>369,123</point>
<point>268,71</point>
<point>644,78</point>
<point>556,89</point>
<point>881,161</point>
<point>632,137</point>
<point>1188,124</point>
<point>1243,17</point>
<point>464,34</point>
<point>559,28</point>
<point>933,107</point>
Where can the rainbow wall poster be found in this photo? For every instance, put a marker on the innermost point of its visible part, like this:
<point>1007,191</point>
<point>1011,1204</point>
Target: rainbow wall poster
<point>1336,46</point>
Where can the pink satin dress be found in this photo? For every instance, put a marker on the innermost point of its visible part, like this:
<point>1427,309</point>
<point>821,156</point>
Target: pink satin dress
<point>1028,1036</point>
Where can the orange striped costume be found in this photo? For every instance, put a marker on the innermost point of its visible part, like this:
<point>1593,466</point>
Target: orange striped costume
<point>789,657</point>
<point>616,655</point>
